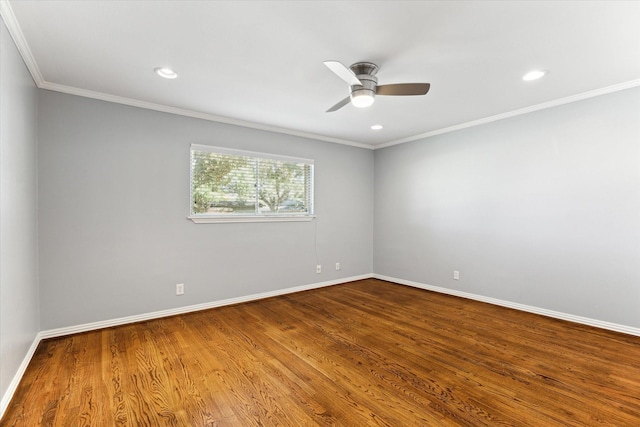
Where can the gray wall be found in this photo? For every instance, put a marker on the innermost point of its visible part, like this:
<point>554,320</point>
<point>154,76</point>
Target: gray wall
<point>19,317</point>
<point>114,197</point>
<point>541,209</point>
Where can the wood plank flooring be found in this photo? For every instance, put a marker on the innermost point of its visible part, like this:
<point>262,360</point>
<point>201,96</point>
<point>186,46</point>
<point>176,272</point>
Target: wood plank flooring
<point>363,353</point>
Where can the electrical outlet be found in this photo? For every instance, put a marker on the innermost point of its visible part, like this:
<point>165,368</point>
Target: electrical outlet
<point>456,275</point>
<point>318,269</point>
<point>337,266</point>
<point>180,289</point>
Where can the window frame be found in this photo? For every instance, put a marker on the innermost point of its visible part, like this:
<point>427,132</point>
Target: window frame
<point>209,218</point>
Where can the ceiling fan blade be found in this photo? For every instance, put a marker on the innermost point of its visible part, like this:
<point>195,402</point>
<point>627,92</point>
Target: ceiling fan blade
<point>403,89</point>
<point>343,72</point>
<point>340,104</point>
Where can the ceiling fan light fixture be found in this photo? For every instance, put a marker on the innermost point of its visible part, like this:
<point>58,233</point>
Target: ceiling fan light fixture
<point>166,73</point>
<point>362,98</point>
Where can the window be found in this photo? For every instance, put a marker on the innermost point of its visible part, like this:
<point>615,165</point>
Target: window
<point>232,185</point>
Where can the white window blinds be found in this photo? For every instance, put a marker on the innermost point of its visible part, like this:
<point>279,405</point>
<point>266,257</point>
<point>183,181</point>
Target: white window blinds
<point>234,183</point>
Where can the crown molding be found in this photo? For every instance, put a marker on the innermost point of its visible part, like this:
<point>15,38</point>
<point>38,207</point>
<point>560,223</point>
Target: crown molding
<point>561,101</point>
<point>194,114</point>
<point>18,37</point>
<point>221,119</point>
<point>21,43</point>
<point>16,33</point>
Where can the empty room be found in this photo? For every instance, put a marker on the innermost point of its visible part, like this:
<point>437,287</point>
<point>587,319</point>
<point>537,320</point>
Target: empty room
<point>303,213</point>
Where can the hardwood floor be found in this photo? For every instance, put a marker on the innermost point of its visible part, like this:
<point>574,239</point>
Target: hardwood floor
<point>363,353</point>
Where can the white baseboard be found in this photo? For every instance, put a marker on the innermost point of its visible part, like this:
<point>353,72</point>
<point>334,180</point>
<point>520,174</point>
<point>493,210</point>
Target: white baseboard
<point>53,333</point>
<point>536,310</point>
<point>13,385</point>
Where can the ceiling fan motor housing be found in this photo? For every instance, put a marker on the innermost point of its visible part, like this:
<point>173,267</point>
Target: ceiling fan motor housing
<point>368,68</point>
<point>369,84</point>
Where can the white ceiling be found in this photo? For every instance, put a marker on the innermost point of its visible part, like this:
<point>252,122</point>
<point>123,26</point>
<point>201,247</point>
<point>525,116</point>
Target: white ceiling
<point>260,63</point>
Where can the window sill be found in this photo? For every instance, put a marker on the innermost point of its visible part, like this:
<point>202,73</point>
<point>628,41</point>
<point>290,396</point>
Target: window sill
<point>249,218</point>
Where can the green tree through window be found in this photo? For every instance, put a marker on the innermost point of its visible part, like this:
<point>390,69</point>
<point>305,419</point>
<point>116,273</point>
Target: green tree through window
<point>229,182</point>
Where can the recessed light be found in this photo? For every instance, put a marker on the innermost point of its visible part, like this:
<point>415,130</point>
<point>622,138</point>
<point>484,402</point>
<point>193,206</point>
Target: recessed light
<point>534,75</point>
<point>376,127</point>
<point>166,73</point>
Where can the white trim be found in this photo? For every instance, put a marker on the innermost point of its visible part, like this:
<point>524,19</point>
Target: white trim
<point>220,119</point>
<point>21,43</point>
<point>201,219</point>
<point>245,153</point>
<point>23,47</point>
<point>530,309</point>
<point>54,333</point>
<point>13,385</point>
<point>16,34</point>
<point>60,332</point>
<point>531,109</point>
<point>18,37</point>
<point>194,114</point>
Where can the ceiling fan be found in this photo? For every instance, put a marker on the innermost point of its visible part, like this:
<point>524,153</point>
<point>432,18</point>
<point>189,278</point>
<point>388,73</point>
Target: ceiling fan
<point>364,84</point>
